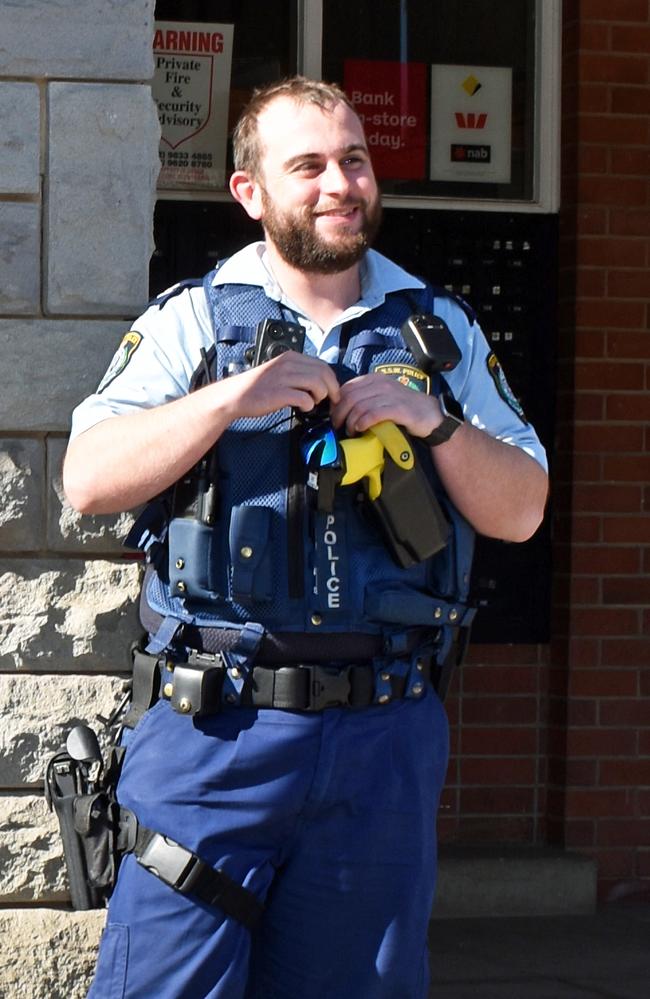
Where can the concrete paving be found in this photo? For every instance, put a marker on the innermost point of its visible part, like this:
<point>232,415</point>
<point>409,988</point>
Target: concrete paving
<point>604,955</point>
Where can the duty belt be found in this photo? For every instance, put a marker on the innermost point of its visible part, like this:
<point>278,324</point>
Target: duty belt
<point>209,681</point>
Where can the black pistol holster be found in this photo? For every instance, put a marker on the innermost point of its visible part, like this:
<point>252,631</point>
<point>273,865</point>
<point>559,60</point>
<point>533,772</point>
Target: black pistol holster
<point>97,832</point>
<point>89,820</point>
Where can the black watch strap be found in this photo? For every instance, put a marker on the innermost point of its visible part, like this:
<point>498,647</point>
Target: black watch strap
<point>452,419</point>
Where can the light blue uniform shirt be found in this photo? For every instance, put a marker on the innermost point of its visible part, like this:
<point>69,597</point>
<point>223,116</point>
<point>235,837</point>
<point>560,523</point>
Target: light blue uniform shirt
<point>157,358</point>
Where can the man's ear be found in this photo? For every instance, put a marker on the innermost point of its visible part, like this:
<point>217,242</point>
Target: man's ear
<point>248,193</point>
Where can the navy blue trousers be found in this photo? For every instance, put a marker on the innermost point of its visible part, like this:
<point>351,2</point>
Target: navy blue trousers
<point>328,817</point>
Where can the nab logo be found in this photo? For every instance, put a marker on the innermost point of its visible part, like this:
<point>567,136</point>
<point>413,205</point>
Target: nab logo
<point>470,154</point>
<point>471,119</point>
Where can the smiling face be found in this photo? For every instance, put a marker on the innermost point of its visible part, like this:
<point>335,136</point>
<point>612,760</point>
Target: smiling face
<point>317,196</point>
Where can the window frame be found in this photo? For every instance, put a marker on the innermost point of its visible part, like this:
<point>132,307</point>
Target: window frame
<point>546,125</point>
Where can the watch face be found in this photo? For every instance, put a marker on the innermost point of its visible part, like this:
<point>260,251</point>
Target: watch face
<point>451,407</point>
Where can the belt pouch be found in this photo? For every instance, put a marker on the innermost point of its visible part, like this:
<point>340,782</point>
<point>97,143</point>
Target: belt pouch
<point>191,558</point>
<point>250,553</point>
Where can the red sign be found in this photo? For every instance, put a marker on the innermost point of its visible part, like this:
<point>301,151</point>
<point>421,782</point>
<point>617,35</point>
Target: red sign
<point>390,99</point>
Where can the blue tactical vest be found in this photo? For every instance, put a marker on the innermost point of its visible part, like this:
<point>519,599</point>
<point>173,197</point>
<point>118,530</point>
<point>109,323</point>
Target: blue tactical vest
<point>266,560</point>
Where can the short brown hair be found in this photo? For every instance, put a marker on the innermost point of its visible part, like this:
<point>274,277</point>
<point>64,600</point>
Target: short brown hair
<point>247,153</point>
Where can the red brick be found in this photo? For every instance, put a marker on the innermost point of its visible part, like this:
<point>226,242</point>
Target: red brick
<point>588,159</point>
<point>497,801</point>
<point>602,251</point>
<point>616,864</point>
<point>581,803</point>
<point>588,343</point>
<point>626,652</point>
<point>605,375</point>
<point>625,773</point>
<point>627,467</point>
<point>635,530</point>
<point>592,37</point>
<point>591,98</point>
<point>630,39</point>
<point>500,710</point>
<point>644,743</point>
<point>632,161</point>
<point>602,559</point>
<point>585,591</point>
<point>603,683</point>
<point>630,223</point>
<point>628,406</point>
<point>589,220</point>
<point>612,68</point>
<point>626,590</point>
<point>592,497</point>
<point>588,468</point>
<point>599,744</point>
<point>496,830</point>
<point>601,438</point>
<point>497,772</point>
<point>485,741</point>
<point>628,283</point>
<point>583,651</point>
<point>604,621</point>
<point>631,100</point>
<point>581,773</point>
<point>603,10</point>
<point>581,712</point>
<point>500,680</point>
<point>589,283</point>
<point>511,655</point>
<point>613,191</point>
<point>632,346</point>
<point>579,833</point>
<point>632,712</point>
<point>612,130</point>
<point>624,832</point>
<point>604,315</point>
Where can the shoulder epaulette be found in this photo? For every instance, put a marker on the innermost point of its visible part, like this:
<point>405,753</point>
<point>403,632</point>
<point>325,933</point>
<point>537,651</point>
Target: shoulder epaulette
<point>162,299</point>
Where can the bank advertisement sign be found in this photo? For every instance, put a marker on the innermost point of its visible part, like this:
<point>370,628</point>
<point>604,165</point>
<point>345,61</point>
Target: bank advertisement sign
<point>471,123</point>
<point>390,99</point>
<point>191,87</point>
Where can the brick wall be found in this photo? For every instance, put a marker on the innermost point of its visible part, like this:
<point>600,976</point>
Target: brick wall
<point>553,744</point>
<point>600,681</point>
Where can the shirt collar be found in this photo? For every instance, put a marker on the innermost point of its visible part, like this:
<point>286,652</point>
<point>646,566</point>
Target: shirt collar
<point>379,277</point>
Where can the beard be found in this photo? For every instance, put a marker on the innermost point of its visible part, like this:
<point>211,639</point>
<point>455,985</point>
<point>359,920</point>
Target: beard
<point>299,244</point>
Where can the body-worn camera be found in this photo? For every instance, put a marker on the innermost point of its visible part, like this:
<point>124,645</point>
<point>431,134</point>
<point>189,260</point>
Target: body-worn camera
<point>431,342</point>
<point>274,337</point>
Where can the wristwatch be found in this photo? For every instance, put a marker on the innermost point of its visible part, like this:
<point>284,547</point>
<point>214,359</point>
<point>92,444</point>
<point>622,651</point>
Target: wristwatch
<point>452,418</point>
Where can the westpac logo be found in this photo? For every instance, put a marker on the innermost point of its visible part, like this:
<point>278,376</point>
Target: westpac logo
<point>471,119</point>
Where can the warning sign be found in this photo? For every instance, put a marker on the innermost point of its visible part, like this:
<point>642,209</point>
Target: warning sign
<point>191,87</point>
<point>390,99</point>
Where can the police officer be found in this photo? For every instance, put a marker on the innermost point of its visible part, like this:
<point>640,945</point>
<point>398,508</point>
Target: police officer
<point>322,810</point>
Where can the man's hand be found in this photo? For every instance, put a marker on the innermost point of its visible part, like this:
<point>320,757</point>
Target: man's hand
<point>125,460</point>
<point>291,379</point>
<point>369,399</point>
<point>499,488</point>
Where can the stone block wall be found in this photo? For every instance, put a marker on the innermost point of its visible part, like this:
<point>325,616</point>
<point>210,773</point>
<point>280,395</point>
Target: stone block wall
<point>78,166</point>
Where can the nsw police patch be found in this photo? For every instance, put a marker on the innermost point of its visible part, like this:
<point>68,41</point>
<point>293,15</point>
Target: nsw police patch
<point>502,386</point>
<point>130,343</point>
<point>406,374</point>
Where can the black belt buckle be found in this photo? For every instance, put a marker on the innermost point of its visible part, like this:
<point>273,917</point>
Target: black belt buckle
<point>171,862</point>
<point>328,686</point>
